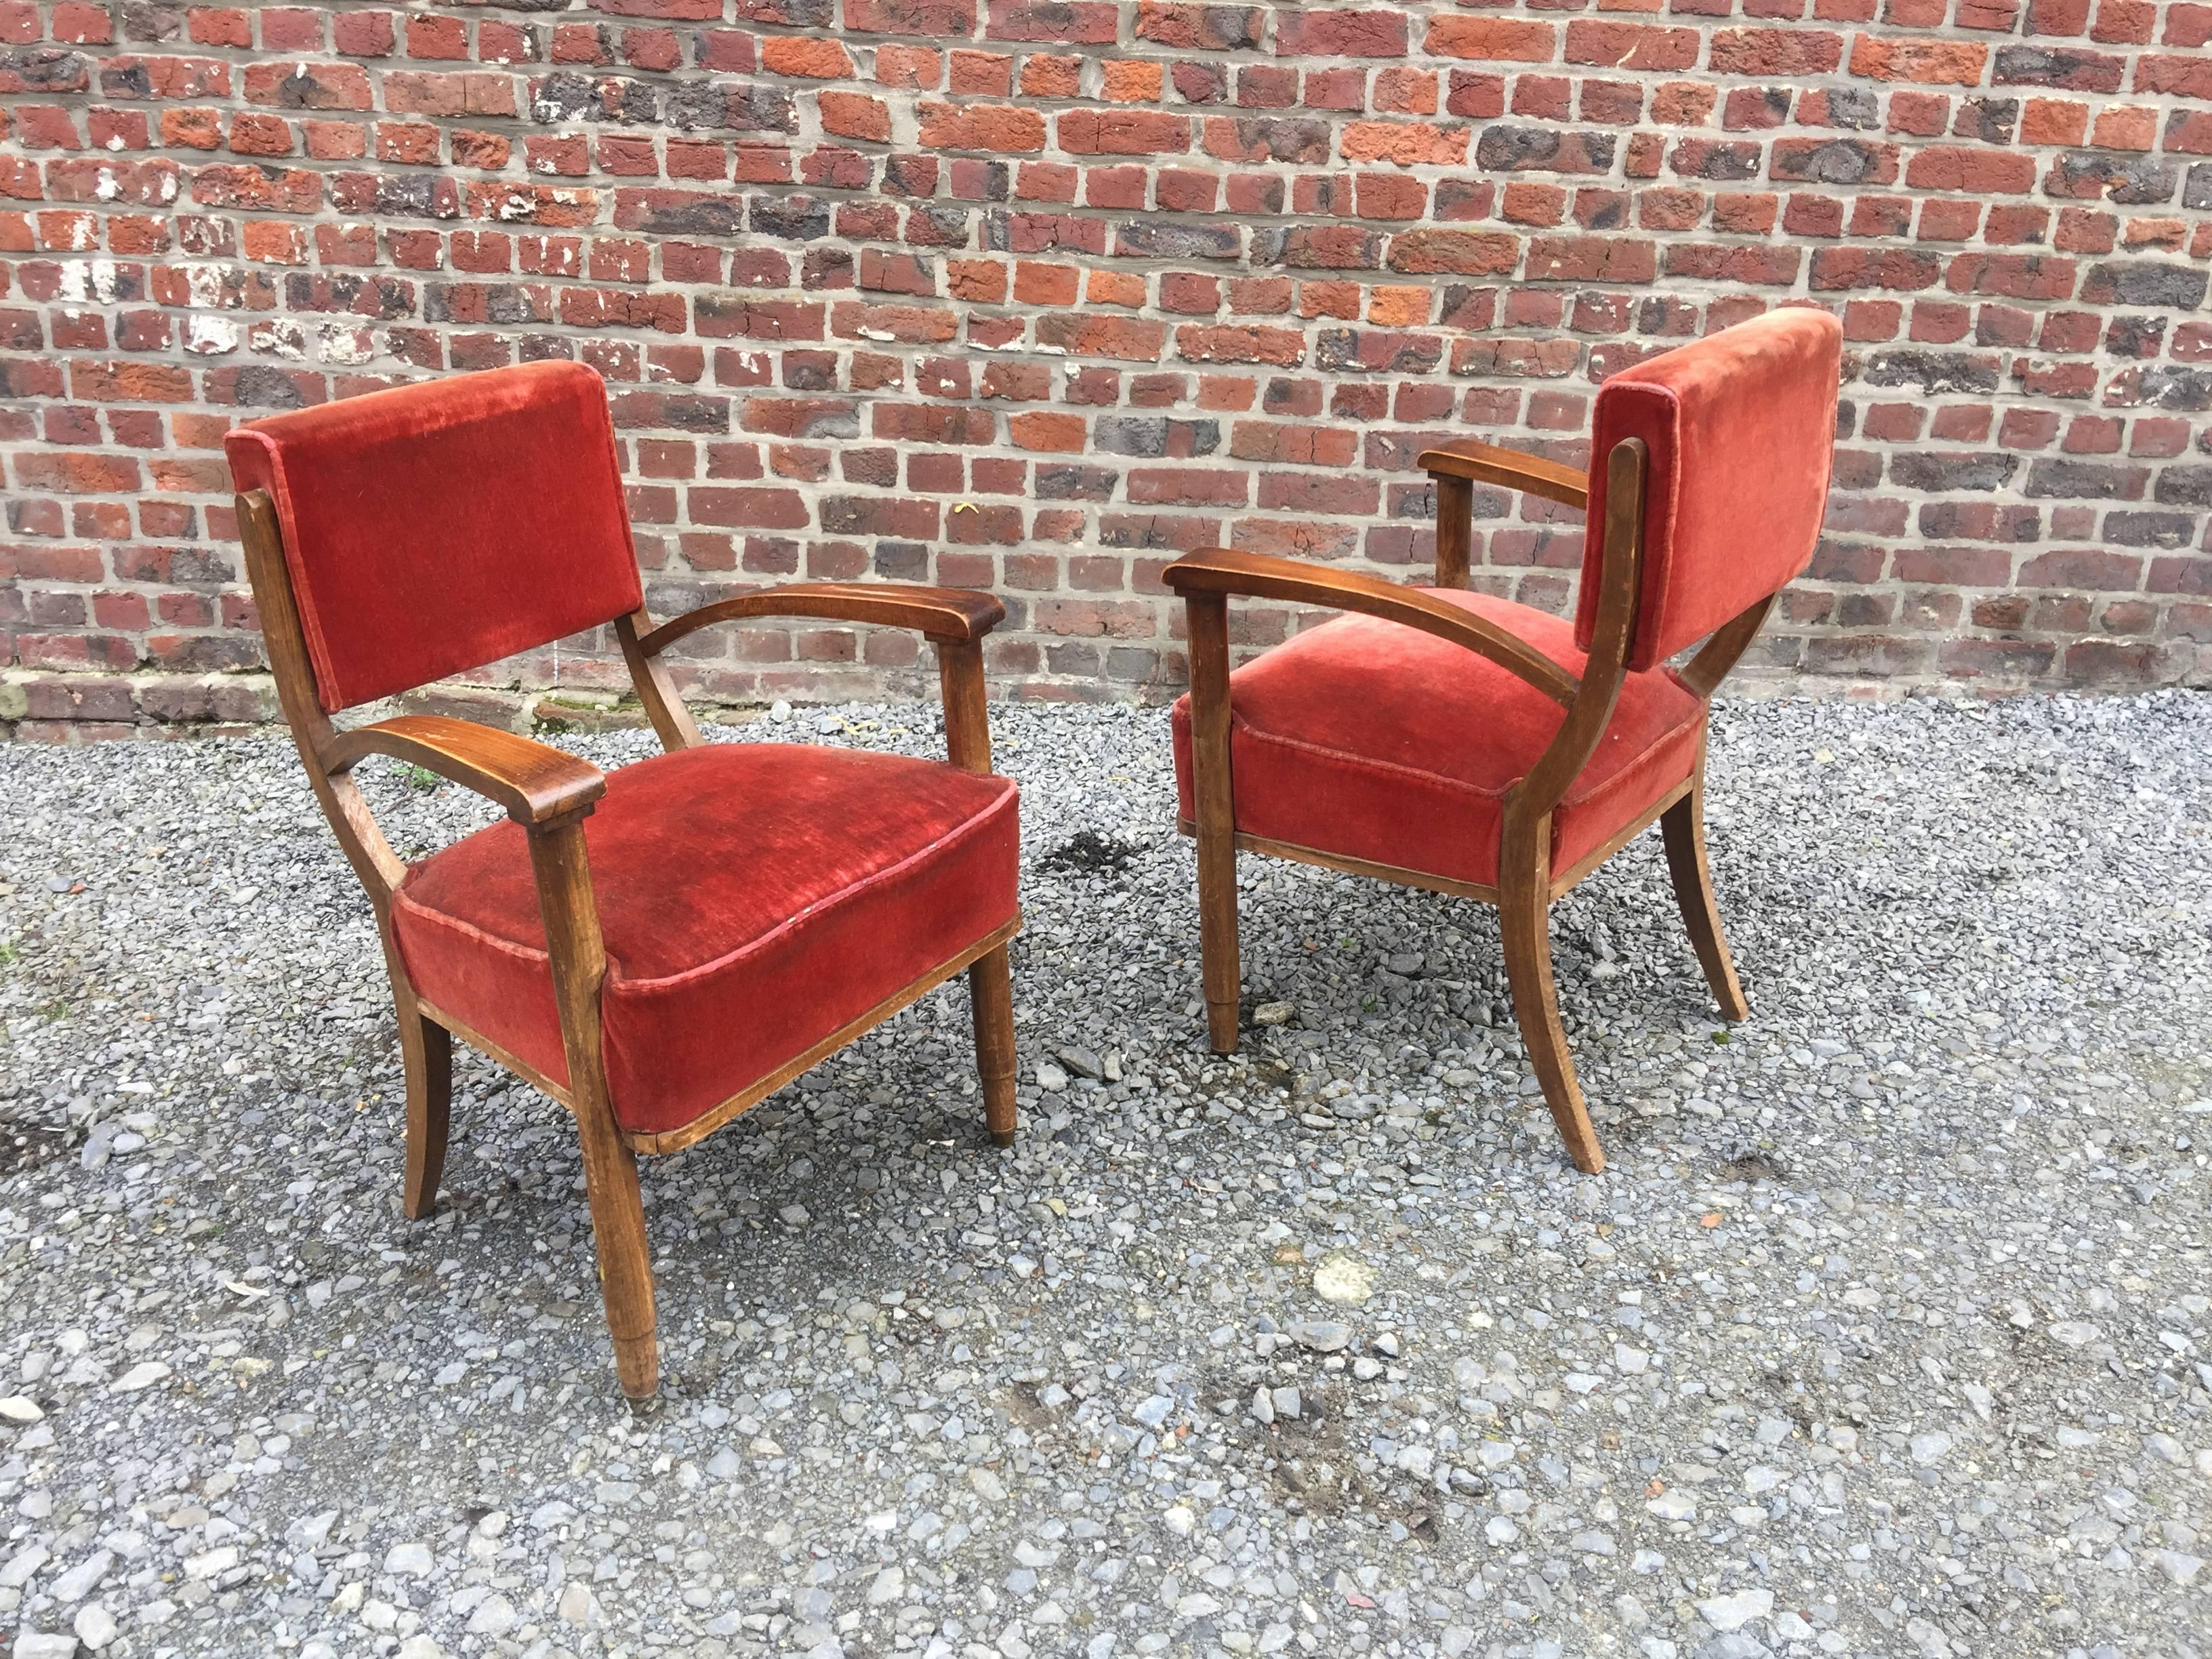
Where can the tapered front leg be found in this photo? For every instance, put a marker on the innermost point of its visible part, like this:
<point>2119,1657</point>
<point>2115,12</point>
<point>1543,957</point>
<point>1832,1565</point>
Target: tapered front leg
<point>1213,787</point>
<point>990,977</point>
<point>625,1261</point>
<point>427,1048</point>
<point>1221,965</point>
<point>991,999</point>
<point>1524,918</point>
<point>1683,825</point>
<point>580,965</point>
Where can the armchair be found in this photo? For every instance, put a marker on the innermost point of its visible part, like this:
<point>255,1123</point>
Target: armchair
<point>658,948</point>
<point>1446,739</point>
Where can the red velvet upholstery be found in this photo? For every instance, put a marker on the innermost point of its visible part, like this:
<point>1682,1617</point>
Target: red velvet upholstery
<point>437,528</point>
<point>754,898</point>
<point>1375,741</point>
<point>1741,428</point>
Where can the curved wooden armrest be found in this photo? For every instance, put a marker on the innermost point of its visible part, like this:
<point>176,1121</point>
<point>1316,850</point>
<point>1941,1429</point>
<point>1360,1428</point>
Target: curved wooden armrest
<point>952,614</point>
<point>1225,570</point>
<point>1483,463</point>
<point>536,784</point>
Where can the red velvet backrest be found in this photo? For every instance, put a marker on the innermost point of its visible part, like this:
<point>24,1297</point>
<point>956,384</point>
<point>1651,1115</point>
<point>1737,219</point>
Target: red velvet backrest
<point>1741,429</point>
<point>435,528</point>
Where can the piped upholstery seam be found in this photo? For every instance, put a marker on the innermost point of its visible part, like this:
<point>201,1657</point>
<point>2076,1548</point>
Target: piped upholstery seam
<point>534,954</point>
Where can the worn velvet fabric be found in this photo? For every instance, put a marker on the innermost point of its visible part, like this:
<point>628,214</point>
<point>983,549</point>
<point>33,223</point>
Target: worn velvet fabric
<point>434,528</point>
<point>1372,740</point>
<point>754,898</point>
<point>1741,429</point>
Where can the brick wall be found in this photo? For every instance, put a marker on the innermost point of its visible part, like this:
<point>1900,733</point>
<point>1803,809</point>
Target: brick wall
<point>1030,295</point>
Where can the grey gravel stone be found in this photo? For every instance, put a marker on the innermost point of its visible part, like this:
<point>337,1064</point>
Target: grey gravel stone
<point>1728,1613</point>
<point>95,1626</point>
<point>1322,1335</point>
<point>1885,1333</point>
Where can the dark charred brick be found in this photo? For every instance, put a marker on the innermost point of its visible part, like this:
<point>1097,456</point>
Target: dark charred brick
<point>2084,481</point>
<point>2143,282</point>
<point>790,219</point>
<point>1934,372</point>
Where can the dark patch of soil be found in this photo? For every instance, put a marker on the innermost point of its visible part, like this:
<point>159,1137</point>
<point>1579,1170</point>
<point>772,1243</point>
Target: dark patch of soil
<point>25,1146</point>
<point>1752,1166</point>
<point>1088,850</point>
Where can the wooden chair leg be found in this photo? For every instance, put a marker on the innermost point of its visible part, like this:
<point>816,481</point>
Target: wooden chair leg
<point>427,1048</point>
<point>625,1258</point>
<point>1524,918</point>
<point>579,963</point>
<point>1222,969</point>
<point>991,999</point>
<point>1224,976</point>
<point>1683,824</point>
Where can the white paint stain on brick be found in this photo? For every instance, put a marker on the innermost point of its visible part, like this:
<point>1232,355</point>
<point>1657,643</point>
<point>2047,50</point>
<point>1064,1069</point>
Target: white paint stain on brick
<point>91,281</point>
<point>210,337</point>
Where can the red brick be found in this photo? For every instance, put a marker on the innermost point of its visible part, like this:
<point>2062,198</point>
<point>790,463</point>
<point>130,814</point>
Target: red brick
<point>1406,143</point>
<point>811,57</point>
<point>1123,132</point>
<point>1770,53</point>
<point>1932,62</point>
<point>1492,40</point>
<point>309,86</point>
<point>1377,31</point>
<point>1342,267</point>
<point>1006,128</point>
<point>1624,46</point>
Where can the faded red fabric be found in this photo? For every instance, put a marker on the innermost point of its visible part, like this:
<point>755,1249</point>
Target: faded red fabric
<point>1372,740</point>
<point>754,899</point>
<point>437,528</point>
<point>1742,427</point>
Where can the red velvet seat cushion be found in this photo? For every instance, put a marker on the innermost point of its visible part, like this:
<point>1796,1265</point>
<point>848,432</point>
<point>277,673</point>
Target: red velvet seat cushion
<point>754,899</point>
<point>1371,740</point>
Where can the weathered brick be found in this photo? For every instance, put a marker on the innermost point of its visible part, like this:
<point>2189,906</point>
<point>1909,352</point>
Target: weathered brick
<point>1004,128</point>
<point>1097,276</point>
<point>1376,32</point>
<point>1928,63</point>
<point>1492,40</point>
<point>1769,52</point>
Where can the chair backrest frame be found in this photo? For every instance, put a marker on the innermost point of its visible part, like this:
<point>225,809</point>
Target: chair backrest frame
<point>1605,668</point>
<point>285,640</point>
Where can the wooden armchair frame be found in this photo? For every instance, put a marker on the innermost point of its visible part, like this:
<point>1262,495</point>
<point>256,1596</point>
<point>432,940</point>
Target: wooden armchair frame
<point>1527,883</point>
<point>549,792</point>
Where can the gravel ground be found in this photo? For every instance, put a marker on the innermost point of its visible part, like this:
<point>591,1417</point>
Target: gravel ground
<point>1885,1333</point>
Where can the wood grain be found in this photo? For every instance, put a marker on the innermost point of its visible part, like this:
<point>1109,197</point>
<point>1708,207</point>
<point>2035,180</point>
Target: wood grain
<point>1532,475</point>
<point>957,614</point>
<point>1524,902</point>
<point>534,781</point>
<point>557,856</point>
<point>1721,652</point>
<point>1684,826</point>
<point>1454,530</point>
<point>656,686</point>
<point>1222,971</point>
<point>1225,570</point>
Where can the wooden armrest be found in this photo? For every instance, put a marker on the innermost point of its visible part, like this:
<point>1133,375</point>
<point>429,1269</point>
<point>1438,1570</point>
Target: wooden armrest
<point>1483,463</point>
<point>957,616</point>
<point>1225,570</point>
<point>536,784</point>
